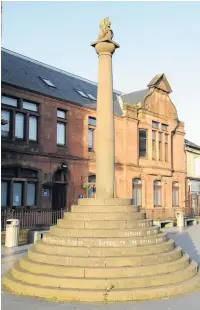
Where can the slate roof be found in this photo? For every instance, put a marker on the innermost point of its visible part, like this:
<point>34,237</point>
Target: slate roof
<point>134,97</point>
<point>191,144</point>
<point>23,72</point>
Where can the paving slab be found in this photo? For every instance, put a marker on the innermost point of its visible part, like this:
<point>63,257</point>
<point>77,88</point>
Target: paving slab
<point>188,238</point>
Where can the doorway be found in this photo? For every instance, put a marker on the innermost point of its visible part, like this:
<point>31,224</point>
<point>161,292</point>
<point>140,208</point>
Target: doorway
<point>58,196</point>
<point>59,190</point>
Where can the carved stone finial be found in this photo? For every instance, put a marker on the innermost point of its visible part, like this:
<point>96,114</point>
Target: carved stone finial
<point>106,32</point>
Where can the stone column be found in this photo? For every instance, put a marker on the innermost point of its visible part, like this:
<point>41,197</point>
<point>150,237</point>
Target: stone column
<point>105,133</point>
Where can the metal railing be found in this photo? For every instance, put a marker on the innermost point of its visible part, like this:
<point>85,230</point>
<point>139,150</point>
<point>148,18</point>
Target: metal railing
<point>32,218</point>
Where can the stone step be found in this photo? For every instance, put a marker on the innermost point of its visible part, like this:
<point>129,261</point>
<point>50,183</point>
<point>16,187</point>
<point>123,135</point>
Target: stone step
<point>104,202</point>
<point>104,242</point>
<point>93,224</point>
<point>110,294</point>
<point>104,209</point>
<point>41,255</point>
<point>99,283</point>
<point>85,216</point>
<point>103,272</point>
<point>77,232</point>
<point>164,247</point>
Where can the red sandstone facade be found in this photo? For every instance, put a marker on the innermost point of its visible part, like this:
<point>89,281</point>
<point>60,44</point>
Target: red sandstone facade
<point>149,151</point>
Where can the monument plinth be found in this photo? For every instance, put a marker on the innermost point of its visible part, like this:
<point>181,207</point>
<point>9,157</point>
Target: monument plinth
<point>104,249</point>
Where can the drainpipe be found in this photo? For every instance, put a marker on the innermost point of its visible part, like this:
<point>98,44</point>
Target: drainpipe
<point>186,180</point>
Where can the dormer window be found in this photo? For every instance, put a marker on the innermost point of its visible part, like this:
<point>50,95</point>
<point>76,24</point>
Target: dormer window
<point>81,93</point>
<point>91,97</point>
<point>86,94</point>
<point>48,82</point>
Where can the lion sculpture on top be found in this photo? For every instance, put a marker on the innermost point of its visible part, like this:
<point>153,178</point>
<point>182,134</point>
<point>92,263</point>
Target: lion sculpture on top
<point>105,32</point>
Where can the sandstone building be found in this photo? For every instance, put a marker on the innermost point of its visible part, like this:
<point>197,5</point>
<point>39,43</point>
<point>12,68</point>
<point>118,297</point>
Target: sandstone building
<point>48,143</point>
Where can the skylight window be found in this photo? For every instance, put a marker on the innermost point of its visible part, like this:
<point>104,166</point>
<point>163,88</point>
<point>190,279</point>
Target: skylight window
<point>82,93</point>
<point>91,97</point>
<point>48,82</point>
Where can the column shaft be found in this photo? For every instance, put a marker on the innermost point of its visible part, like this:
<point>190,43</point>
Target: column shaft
<point>105,147</point>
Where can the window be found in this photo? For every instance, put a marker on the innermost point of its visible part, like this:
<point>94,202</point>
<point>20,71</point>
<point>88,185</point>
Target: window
<point>60,134</point>
<point>5,129</point>
<point>137,192</point>
<point>60,114</point>
<point>33,128</point>
<point>91,134</point>
<point>31,194</point>
<point>61,127</point>
<point>160,145</point>
<point>153,144</point>
<point>4,196</point>
<point>18,113</point>
<point>166,147</point>
<point>157,194</point>
<point>91,97</point>
<point>17,194</point>
<point>18,187</point>
<point>164,127</point>
<point>142,143</point>
<point>9,101</point>
<point>92,121</point>
<point>175,194</point>
<point>30,106</point>
<point>48,82</point>
<point>19,126</point>
<point>82,93</point>
<point>92,189</point>
<point>90,139</point>
<point>155,124</point>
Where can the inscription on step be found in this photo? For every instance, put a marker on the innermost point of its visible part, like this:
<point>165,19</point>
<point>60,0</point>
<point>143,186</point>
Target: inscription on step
<point>102,243</point>
<point>139,233</point>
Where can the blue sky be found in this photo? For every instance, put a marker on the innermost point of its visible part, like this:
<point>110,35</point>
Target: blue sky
<point>154,37</point>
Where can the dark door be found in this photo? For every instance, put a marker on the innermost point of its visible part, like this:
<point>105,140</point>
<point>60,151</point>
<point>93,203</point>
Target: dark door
<point>58,196</point>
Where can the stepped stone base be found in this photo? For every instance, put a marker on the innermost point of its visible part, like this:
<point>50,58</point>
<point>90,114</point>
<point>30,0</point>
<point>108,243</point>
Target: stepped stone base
<point>103,251</point>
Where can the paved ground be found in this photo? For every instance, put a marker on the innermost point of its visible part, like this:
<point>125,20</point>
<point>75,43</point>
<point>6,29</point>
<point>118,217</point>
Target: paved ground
<point>188,239</point>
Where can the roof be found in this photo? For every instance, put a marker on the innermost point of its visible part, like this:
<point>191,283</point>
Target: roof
<point>192,145</point>
<point>160,81</point>
<point>23,72</point>
<point>26,73</point>
<point>134,97</point>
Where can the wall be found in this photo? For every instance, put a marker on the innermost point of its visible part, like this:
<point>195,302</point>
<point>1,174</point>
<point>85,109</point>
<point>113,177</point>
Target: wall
<point>47,157</point>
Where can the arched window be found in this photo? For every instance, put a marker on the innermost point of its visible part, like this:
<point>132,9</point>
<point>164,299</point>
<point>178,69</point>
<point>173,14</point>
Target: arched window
<point>157,194</point>
<point>137,192</point>
<point>92,189</point>
<point>18,187</point>
<point>175,194</point>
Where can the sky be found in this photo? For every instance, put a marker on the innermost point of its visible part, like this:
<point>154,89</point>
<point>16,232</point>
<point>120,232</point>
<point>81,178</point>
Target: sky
<point>154,37</point>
